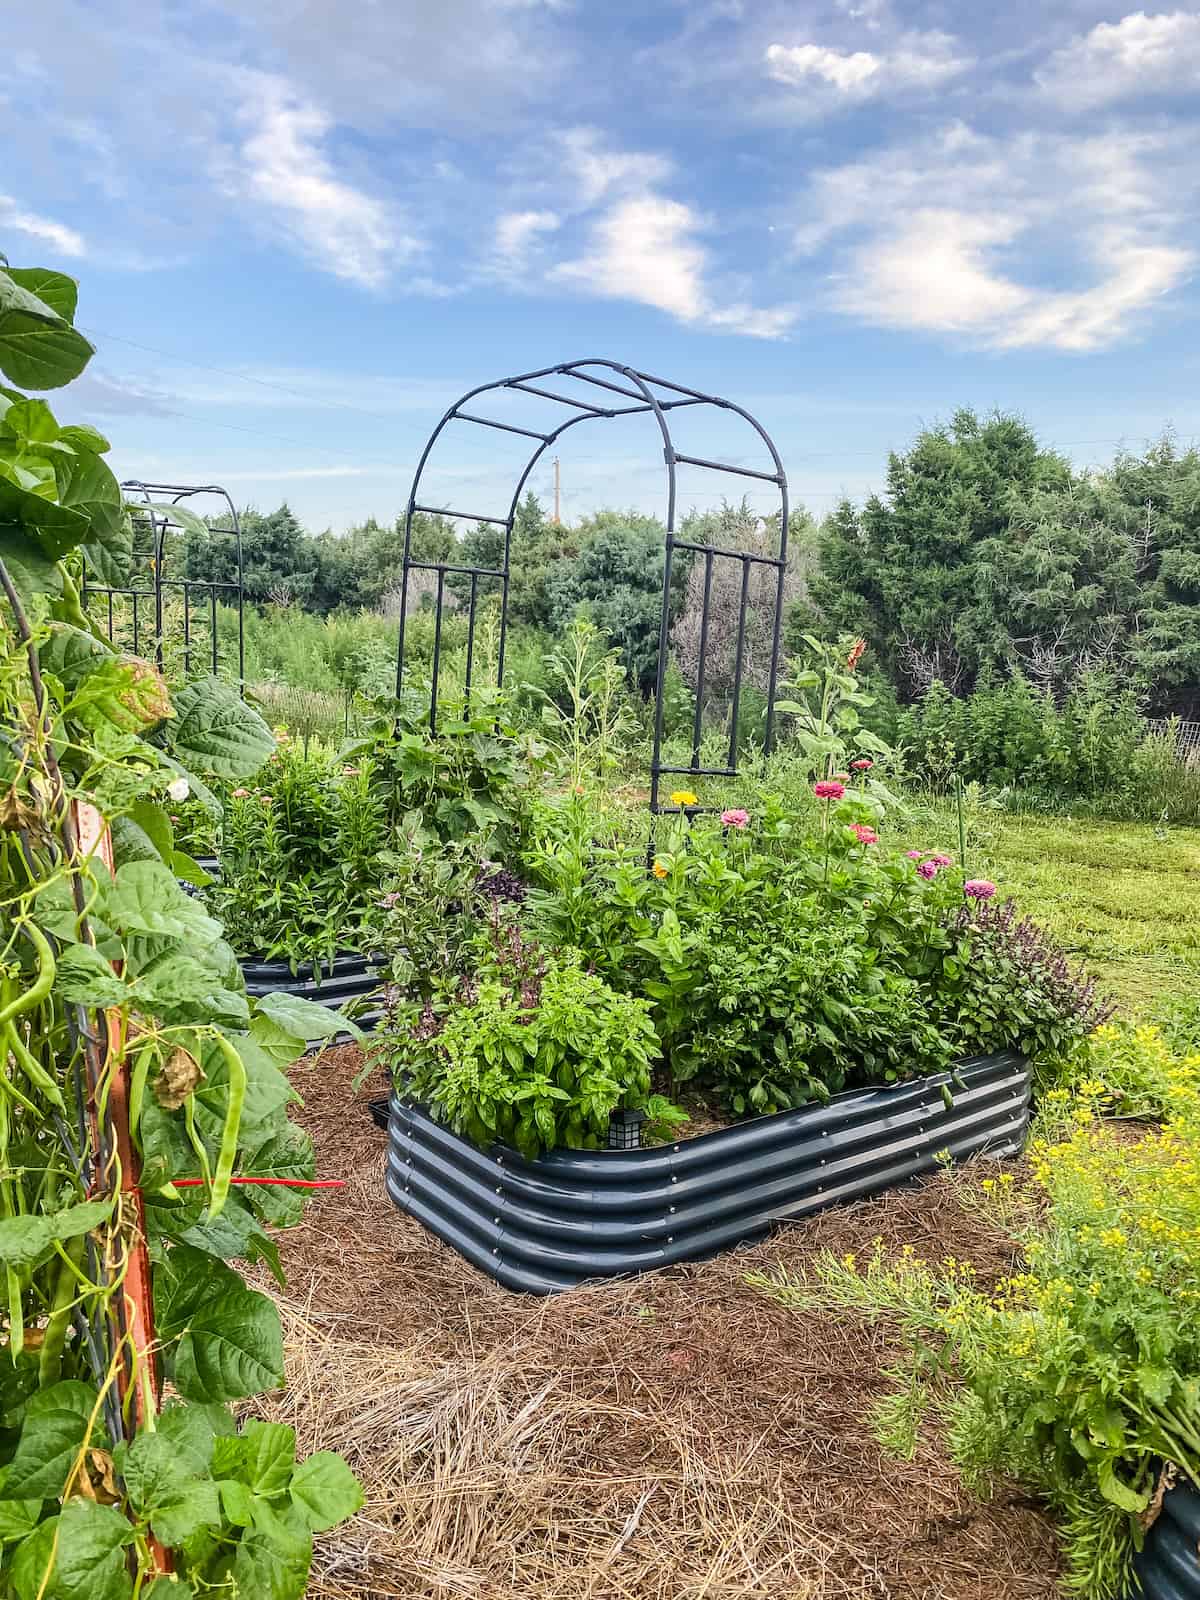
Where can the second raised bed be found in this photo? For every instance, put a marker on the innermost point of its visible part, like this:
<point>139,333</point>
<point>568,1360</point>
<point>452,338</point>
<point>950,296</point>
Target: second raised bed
<point>574,1215</point>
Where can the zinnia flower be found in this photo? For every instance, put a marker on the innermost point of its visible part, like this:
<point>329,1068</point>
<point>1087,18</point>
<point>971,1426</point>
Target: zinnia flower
<point>928,870</point>
<point>240,794</point>
<point>829,789</point>
<point>940,860</point>
<point>660,870</point>
<point>683,797</point>
<point>979,888</point>
<point>267,800</point>
<point>863,834</point>
<point>914,855</point>
<point>735,818</point>
<point>857,651</point>
<point>862,765</point>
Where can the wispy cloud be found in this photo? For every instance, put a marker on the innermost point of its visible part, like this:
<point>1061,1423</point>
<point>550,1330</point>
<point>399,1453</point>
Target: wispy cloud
<point>66,241</point>
<point>1139,55</point>
<point>648,249</point>
<point>915,61</point>
<point>284,166</point>
<point>976,265</point>
<point>517,232</point>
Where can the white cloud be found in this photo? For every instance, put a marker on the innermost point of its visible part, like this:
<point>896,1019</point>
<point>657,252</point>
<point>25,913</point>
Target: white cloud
<point>645,248</point>
<point>595,170</point>
<point>849,71</point>
<point>283,167</point>
<point>989,262</point>
<point>56,234</point>
<point>1139,55</point>
<point>916,61</point>
<point>518,231</point>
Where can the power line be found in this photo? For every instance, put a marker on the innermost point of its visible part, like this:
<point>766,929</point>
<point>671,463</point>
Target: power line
<point>239,377</point>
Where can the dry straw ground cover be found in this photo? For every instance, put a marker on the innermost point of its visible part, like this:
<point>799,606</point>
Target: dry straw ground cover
<point>678,1437</point>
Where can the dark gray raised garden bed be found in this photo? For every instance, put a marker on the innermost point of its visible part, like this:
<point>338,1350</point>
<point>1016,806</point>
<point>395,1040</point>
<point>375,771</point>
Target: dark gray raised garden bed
<point>1169,1565</point>
<point>574,1215</point>
<point>348,977</point>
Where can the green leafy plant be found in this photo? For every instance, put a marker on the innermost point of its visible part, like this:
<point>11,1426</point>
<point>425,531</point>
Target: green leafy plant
<point>530,1050</point>
<point>118,990</point>
<point>1079,1374</point>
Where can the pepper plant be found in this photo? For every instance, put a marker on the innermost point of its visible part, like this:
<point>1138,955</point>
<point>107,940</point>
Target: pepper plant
<point>144,1141</point>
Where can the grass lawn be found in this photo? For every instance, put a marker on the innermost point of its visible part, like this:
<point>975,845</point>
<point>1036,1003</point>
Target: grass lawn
<point>1123,897</point>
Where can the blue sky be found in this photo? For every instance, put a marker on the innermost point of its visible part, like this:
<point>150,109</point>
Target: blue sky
<point>303,227</point>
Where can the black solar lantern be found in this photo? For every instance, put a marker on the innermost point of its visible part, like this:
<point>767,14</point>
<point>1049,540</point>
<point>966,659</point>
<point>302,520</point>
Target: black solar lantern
<point>625,1129</point>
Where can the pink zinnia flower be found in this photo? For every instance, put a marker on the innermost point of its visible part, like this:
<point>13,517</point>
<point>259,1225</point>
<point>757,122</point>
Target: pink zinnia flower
<point>928,870</point>
<point>861,766</point>
<point>736,818</point>
<point>267,800</point>
<point>240,794</point>
<point>940,860</point>
<point>914,855</point>
<point>979,888</point>
<point>829,789</point>
<point>863,834</point>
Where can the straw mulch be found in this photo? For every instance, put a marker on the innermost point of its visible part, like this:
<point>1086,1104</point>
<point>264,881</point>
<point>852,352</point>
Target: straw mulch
<point>676,1437</point>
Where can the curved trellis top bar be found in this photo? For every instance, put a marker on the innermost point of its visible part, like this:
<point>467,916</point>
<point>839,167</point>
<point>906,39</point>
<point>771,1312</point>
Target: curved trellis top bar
<point>199,596</point>
<point>643,394</point>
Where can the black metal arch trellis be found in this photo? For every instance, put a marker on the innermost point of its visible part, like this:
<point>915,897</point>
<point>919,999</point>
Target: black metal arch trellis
<point>157,498</point>
<point>642,390</point>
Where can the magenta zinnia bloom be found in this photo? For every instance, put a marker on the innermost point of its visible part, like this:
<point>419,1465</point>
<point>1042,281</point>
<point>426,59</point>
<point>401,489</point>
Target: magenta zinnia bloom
<point>863,834</point>
<point>861,766</point>
<point>939,860</point>
<point>829,789</point>
<point>914,855</point>
<point>735,818</point>
<point>928,870</point>
<point>979,888</point>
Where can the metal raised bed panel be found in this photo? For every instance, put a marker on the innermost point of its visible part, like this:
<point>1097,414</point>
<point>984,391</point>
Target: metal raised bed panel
<point>547,1225</point>
<point>1169,1565</point>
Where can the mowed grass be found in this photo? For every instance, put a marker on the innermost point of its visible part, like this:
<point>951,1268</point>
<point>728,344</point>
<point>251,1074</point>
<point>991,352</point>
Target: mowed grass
<point>1122,897</point>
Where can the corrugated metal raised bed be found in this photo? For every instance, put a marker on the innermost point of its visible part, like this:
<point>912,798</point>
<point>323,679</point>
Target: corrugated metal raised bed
<point>1169,1565</point>
<point>347,977</point>
<point>574,1215</point>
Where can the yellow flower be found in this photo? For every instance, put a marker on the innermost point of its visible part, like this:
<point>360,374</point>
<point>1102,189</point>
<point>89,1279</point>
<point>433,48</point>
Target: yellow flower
<point>988,1185</point>
<point>1008,1178</point>
<point>683,797</point>
<point>848,1260</point>
<point>660,870</point>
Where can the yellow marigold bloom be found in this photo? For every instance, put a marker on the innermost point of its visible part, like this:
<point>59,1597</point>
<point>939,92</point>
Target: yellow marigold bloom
<point>683,797</point>
<point>660,870</point>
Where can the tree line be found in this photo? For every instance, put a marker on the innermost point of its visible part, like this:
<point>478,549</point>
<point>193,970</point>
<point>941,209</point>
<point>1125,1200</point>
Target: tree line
<point>986,556</point>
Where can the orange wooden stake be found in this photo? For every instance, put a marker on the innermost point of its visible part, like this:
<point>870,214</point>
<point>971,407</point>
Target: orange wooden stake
<point>138,1379</point>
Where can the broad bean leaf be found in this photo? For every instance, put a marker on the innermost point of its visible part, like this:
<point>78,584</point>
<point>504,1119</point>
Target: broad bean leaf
<point>39,349</point>
<point>32,571</point>
<point>232,1348</point>
<point>216,732</point>
<point>145,898</point>
<point>268,1456</point>
<point>305,1020</point>
<point>24,1239</point>
<point>90,1559</point>
<point>325,1491</point>
<point>18,1518</point>
<point>86,978</point>
<point>55,1422</point>
<point>53,289</point>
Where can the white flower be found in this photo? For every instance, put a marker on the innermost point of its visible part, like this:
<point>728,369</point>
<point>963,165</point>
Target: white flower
<point>178,789</point>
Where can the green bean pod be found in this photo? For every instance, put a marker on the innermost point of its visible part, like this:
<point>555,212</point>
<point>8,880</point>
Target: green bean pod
<point>233,1125</point>
<point>55,1338</point>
